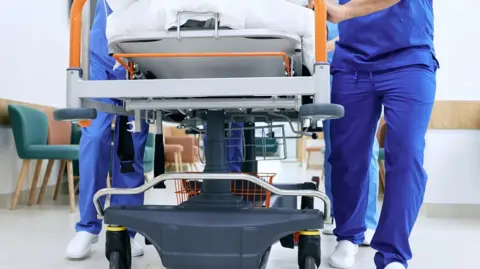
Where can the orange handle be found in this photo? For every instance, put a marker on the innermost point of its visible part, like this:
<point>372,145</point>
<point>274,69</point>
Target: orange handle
<point>119,56</point>
<point>320,31</point>
<point>76,33</point>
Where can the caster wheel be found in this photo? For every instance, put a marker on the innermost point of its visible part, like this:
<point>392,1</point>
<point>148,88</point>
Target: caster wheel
<point>118,250</point>
<point>73,114</point>
<point>321,111</point>
<point>117,261</point>
<point>309,263</point>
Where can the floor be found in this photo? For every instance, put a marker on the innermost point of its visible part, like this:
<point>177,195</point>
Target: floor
<point>36,237</point>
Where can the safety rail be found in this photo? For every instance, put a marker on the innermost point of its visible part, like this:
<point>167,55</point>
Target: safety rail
<point>210,176</point>
<point>120,56</point>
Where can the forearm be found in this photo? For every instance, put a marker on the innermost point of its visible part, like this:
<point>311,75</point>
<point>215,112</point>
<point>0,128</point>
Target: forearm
<point>359,8</point>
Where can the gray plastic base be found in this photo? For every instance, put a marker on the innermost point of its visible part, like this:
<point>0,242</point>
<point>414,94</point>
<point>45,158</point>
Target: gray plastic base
<point>324,111</point>
<point>189,238</point>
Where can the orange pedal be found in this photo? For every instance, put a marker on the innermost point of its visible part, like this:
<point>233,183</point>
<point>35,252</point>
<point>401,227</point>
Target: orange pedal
<point>84,123</point>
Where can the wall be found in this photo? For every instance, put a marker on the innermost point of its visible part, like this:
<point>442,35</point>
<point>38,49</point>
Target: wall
<point>452,157</point>
<point>34,54</point>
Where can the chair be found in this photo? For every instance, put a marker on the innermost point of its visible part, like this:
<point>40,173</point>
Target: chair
<point>188,151</point>
<point>59,133</point>
<point>30,131</point>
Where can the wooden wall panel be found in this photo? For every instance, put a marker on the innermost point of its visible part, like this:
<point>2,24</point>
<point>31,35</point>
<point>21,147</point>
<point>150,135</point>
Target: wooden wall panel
<point>455,115</point>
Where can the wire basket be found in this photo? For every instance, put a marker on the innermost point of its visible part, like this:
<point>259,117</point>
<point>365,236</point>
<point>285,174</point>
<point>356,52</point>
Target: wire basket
<point>260,197</point>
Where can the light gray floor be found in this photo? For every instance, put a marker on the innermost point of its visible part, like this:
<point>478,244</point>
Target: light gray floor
<point>36,237</point>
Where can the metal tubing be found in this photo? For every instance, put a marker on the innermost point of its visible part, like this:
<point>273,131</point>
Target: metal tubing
<point>216,154</point>
<point>211,176</point>
<point>86,23</point>
<point>220,103</point>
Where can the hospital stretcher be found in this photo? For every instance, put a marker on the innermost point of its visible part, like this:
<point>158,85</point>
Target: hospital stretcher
<point>210,75</point>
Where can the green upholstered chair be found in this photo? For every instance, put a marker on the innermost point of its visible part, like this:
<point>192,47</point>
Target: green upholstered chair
<point>381,154</point>
<point>30,131</point>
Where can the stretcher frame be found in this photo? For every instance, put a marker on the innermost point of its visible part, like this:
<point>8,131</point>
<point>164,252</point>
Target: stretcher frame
<point>270,226</point>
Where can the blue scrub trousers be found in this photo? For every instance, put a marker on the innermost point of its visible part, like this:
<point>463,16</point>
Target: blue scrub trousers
<point>407,94</point>
<point>371,218</point>
<point>96,155</point>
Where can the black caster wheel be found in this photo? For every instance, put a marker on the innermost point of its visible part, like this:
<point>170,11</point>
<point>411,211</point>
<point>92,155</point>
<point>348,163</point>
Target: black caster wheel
<point>117,261</point>
<point>321,111</point>
<point>309,263</point>
<point>118,249</point>
<point>73,114</point>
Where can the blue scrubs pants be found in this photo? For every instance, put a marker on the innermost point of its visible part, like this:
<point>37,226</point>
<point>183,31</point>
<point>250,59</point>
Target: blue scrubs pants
<point>234,147</point>
<point>407,95</point>
<point>371,218</point>
<point>96,156</point>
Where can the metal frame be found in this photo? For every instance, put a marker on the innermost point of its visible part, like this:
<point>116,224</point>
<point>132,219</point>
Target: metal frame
<point>211,176</point>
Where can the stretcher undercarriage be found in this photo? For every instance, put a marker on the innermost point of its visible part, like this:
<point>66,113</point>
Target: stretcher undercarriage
<point>195,76</point>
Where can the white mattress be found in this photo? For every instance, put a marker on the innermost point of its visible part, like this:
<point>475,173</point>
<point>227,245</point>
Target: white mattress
<point>146,16</point>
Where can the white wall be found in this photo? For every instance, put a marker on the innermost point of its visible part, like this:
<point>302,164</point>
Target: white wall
<point>452,157</point>
<point>34,55</point>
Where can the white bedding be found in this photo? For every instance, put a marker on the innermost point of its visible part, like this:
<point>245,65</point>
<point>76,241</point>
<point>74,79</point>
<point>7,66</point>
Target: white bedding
<point>141,16</point>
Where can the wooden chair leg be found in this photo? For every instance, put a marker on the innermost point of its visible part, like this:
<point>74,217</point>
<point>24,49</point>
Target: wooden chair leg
<point>59,179</point>
<point>381,169</point>
<point>177,168</point>
<point>109,181</point>
<point>180,163</point>
<point>46,177</point>
<point>308,159</point>
<point>21,179</point>
<point>33,187</point>
<point>71,186</point>
<point>196,167</point>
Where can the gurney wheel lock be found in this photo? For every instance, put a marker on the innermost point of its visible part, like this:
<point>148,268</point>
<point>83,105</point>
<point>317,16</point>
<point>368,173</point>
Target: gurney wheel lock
<point>75,114</point>
<point>321,111</point>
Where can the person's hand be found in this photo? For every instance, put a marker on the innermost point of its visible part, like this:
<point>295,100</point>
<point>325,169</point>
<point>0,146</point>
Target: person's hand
<point>336,13</point>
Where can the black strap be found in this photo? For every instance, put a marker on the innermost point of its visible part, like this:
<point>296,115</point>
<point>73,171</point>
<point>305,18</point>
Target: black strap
<point>159,160</point>
<point>125,149</point>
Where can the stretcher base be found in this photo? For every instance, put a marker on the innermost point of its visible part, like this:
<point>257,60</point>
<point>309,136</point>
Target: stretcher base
<point>206,238</point>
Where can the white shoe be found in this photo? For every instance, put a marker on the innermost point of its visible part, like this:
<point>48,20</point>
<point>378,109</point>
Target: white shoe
<point>137,249</point>
<point>368,237</point>
<point>344,255</point>
<point>395,265</point>
<point>81,244</point>
<point>328,229</point>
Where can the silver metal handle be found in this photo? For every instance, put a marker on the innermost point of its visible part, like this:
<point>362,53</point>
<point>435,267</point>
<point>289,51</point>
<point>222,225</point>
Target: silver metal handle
<point>210,176</point>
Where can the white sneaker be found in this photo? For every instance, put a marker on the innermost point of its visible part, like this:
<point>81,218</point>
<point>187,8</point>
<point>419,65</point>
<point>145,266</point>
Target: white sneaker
<point>328,229</point>
<point>368,237</point>
<point>344,255</point>
<point>81,244</point>
<point>137,249</point>
<point>395,265</point>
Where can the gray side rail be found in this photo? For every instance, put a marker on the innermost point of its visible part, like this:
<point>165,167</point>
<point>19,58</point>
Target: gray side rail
<point>211,176</point>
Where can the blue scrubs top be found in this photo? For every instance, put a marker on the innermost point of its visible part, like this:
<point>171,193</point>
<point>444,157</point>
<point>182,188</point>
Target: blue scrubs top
<point>398,36</point>
<point>100,57</point>
<point>332,32</point>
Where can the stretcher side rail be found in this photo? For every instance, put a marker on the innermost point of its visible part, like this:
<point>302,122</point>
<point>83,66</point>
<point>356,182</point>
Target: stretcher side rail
<point>211,176</point>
